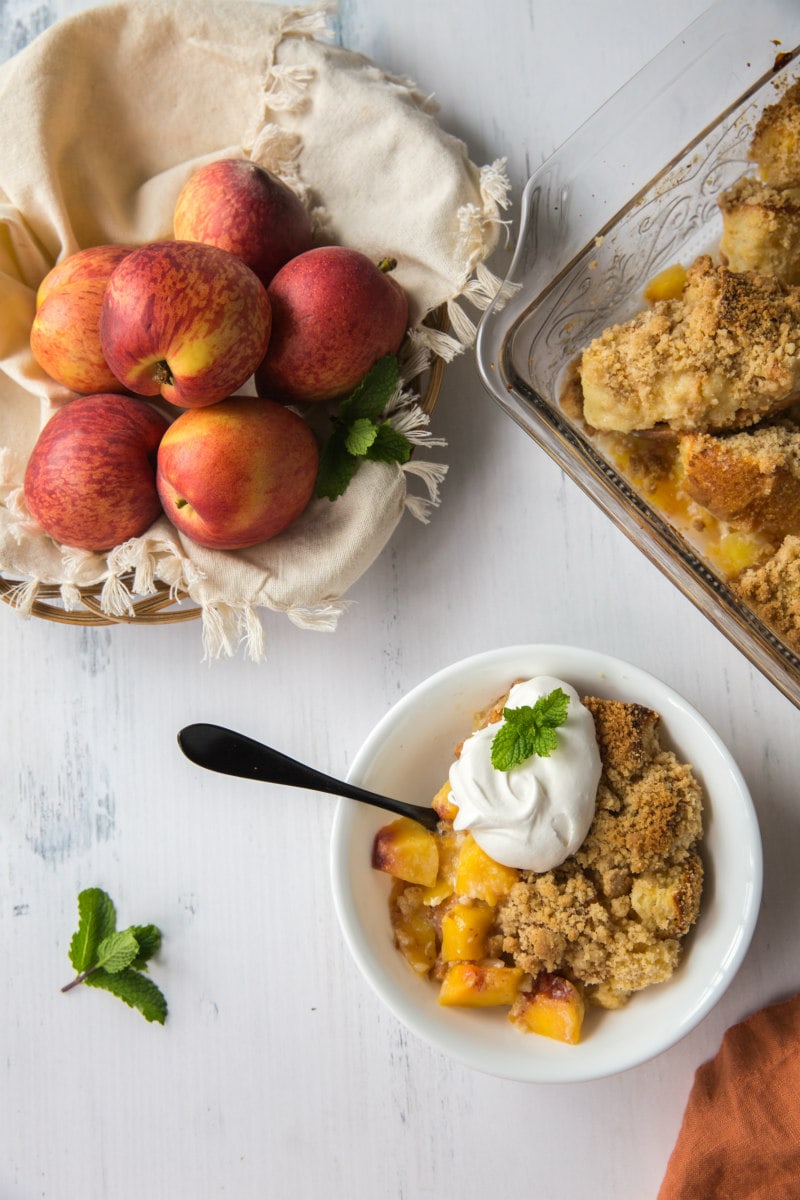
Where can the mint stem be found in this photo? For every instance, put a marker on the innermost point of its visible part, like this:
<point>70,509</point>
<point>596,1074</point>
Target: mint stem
<point>79,979</point>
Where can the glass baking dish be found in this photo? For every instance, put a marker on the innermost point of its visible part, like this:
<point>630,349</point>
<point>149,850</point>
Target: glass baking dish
<point>632,192</point>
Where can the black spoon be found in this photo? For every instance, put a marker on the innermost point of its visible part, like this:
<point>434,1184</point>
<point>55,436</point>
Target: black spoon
<point>231,753</point>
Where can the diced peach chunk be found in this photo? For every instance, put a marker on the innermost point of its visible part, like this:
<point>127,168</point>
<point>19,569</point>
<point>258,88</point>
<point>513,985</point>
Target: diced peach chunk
<point>666,285</point>
<point>479,877</point>
<point>442,889</point>
<point>476,986</point>
<point>554,1008</point>
<point>443,803</point>
<point>416,939</point>
<point>437,893</point>
<point>413,926</point>
<point>405,849</point>
<point>464,931</point>
<point>735,551</point>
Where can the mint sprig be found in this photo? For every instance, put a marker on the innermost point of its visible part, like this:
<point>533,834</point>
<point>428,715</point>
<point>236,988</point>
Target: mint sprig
<point>529,729</point>
<point>111,959</point>
<point>359,433</point>
<point>137,990</point>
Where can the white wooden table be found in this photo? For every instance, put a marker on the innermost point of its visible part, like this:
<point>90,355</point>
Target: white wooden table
<point>278,1074</point>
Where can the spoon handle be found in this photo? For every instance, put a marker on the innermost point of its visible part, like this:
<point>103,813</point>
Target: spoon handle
<point>230,753</point>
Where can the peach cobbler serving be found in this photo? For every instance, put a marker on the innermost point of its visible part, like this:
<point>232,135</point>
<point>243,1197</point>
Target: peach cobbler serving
<point>696,397</point>
<point>565,869</point>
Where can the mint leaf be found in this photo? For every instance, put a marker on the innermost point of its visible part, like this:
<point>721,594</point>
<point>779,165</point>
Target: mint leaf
<point>358,432</point>
<point>551,710</point>
<point>360,436</point>
<point>117,951</point>
<point>389,445</point>
<point>97,919</point>
<point>137,990</point>
<point>529,730</point>
<point>112,959</point>
<point>149,939</point>
<point>373,393</point>
<point>337,466</point>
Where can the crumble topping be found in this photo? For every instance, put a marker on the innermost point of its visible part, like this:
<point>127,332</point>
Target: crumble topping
<point>723,355</point>
<point>612,916</point>
<point>761,229</point>
<point>775,145</point>
<point>772,589</point>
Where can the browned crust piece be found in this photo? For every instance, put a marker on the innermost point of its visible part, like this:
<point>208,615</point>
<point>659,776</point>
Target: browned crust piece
<point>750,480</point>
<point>627,735</point>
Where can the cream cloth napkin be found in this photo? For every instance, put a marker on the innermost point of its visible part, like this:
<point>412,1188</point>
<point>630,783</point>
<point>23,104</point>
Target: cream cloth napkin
<point>105,116</point>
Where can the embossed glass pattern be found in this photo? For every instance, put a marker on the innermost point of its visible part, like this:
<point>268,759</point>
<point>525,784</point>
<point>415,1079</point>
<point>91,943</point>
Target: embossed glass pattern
<point>633,191</point>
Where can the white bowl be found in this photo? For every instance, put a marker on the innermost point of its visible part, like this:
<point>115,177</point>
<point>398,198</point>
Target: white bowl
<point>408,755</point>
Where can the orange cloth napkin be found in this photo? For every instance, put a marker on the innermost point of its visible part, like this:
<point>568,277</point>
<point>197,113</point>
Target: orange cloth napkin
<point>740,1137</point>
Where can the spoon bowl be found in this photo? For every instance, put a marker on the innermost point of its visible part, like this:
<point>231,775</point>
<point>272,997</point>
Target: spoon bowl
<point>229,753</point>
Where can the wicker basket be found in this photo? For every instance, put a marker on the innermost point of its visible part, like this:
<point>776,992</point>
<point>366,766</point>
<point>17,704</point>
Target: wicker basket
<point>164,605</point>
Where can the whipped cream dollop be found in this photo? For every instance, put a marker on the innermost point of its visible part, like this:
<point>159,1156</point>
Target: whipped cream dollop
<point>538,813</point>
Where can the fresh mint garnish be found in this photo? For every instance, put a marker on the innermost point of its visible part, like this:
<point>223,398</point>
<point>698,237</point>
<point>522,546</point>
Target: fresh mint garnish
<point>360,436</point>
<point>112,959</point>
<point>529,730</point>
<point>137,990</point>
<point>359,433</point>
<point>97,919</point>
<point>117,951</point>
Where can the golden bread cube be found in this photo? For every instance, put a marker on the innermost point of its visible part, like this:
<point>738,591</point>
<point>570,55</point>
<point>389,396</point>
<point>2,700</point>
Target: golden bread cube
<point>666,285</point>
<point>475,986</point>
<point>479,877</point>
<point>750,480</point>
<point>667,902</point>
<point>761,229</point>
<point>465,928</point>
<point>555,1008</point>
<point>405,849</point>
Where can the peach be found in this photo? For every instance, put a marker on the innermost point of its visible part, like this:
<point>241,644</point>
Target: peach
<point>334,314</point>
<point>479,877</point>
<point>413,927</point>
<point>444,804</point>
<point>65,335</point>
<point>554,1008</point>
<point>236,473</point>
<point>90,479</point>
<point>405,849</point>
<point>465,929</point>
<point>185,321</point>
<point>476,986</point>
<point>242,208</point>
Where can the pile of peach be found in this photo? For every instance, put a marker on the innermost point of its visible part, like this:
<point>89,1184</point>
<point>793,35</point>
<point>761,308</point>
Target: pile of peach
<point>444,913</point>
<point>157,341</point>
